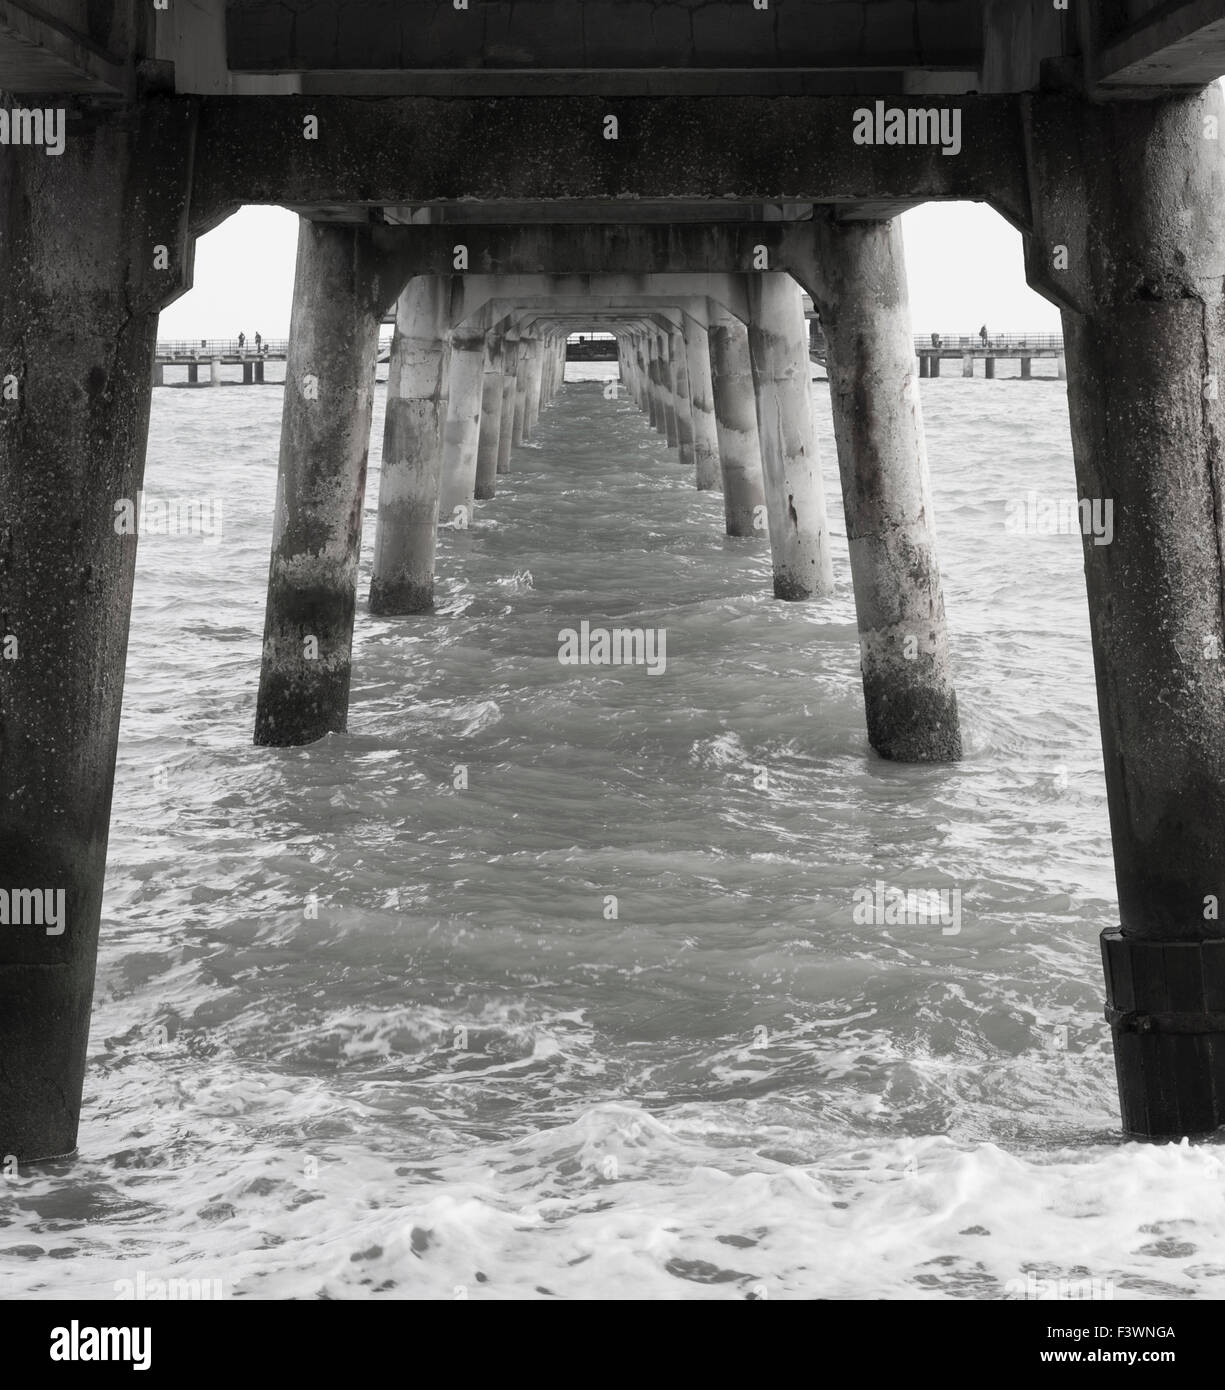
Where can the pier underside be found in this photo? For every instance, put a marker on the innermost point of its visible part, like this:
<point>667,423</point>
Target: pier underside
<point>680,175</point>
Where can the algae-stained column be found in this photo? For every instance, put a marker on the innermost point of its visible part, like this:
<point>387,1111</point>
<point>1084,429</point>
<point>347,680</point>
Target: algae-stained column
<point>535,378</point>
<point>680,395</point>
<point>491,420</point>
<point>522,370</point>
<point>667,390</point>
<point>462,431</point>
<point>731,376</point>
<point>317,528</point>
<point>856,273</point>
<point>417,385</point>
<point>1139,266</point>
<point>506,425</point>
<point>81,285</point>
<point>795,497</point>
<point>701,401</point>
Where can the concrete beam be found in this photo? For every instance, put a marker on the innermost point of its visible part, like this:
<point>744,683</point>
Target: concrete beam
<point>50,48</point>
<point>602,36</point>
<point>414,150</point>
<point>1168,45</point>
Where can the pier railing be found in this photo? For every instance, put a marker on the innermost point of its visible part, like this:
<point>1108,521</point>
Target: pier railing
<point>996,342</point>
<point>205,349</point>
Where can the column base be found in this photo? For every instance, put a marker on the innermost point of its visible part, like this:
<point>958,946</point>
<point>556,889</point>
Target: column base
<point>1165,1003</point>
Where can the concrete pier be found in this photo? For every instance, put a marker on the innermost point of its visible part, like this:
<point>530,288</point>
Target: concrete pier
<point>506,423</point>
<point>325,433</point>
<point>462,430</point>
<point>667,387</point>
<point>491,421</point>
<point>680,396</point>
<point>418,383</point>
<point>795,496</point>
<point>522,368</point>
<point>735,408</point>
<point>1144,325</point>
<point>701,401</point>
<point>531,399</point>
<point>858,280</point>
<point>77,335</point>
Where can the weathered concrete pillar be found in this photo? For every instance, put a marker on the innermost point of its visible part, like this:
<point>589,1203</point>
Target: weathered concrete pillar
<point>491,420</point>
<point>934,364</point>
<point>193,373</point>
<point>522,368</point>
<point>1143,300</point>
<point>989,368</point>
<point>795,497</point>
<point>967,364</point>
<point>1026,368</point>
<point>317,527</point>
<point>531,400</point>
<point>411,477</point>
<point>701,404</point>
<point>506,425</point>
<point>680,396</point>
<point>641,361</point>
<point>214,372</point>
<point>79,304</point>
<point>1061,367</point>
<point>925,365</point>
<point>857,278</point>
<point>667,389</point>
<point>731,374</point>
<point>462,430</point>
<point>655,397</point>
<point>159,374</point>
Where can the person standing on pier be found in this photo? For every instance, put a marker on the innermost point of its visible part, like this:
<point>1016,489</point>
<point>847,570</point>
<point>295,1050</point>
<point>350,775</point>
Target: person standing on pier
<point>982,333</point>
<point>258,340</point>
<point>242,341</point>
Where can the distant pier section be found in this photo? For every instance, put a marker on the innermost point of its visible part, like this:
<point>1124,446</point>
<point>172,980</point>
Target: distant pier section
<point>213,354</point>
<point>967,348</point>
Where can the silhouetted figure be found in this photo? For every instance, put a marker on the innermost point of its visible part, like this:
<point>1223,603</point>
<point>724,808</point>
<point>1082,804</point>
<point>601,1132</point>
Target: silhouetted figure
<point>258,341</point>
<point>242,341</point>
<point>982,333</point>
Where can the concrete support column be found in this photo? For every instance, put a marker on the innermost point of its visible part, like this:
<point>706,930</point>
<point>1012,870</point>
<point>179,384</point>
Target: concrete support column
<point>858,281</point>
<point>317,527</point>
<point>522,369</point>
<point>934,369</point>
<point>78,323</point>
<point>193,373</point>
<point>491,420</point>
<point>989,368</point>
<point>535,376</point>
<point>731,375</point>
<point>417,387</point>
<point>506,425</point>
<point>462,431</point>
<point>667,390</point>
<point>967,364</point>
<point>1144,326</point>
<point>214,372</point>
<point>795,497</point>
<point>655,397</point>
<point>159,374</point>
<point>639,347</point>
<point>925,365</point>
<point>680,396</point>
<point>1026,368</point>
<point>701,405</point>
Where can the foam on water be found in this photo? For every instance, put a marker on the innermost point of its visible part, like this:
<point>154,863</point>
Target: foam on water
<point>360,1033</point>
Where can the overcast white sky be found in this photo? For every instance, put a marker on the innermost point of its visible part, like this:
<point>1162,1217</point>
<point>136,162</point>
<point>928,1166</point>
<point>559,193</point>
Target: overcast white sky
<point>964,263</point>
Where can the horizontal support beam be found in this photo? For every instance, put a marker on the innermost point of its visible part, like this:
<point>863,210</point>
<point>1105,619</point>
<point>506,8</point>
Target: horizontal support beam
<point>601,35</point>
<point>1173,45</point>
<point>747,149</point>
<point>40,54</point>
